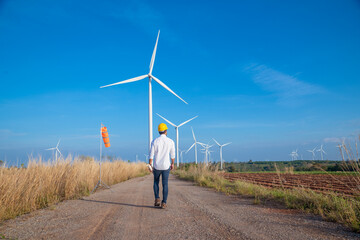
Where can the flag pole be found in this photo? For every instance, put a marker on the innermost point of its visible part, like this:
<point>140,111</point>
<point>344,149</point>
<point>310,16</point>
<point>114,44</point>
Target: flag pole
<point>100,182</point>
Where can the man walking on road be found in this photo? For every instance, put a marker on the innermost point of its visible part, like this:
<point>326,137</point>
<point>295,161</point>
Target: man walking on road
<point>161,150</point>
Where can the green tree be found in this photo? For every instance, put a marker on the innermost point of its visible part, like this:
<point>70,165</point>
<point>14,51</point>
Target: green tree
<point>231,169</point>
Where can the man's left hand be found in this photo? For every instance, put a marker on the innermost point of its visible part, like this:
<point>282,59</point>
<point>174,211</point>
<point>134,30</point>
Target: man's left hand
<point>172,166</point>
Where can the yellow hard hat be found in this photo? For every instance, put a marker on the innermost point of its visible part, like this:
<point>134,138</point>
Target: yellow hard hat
<point>162,127</point>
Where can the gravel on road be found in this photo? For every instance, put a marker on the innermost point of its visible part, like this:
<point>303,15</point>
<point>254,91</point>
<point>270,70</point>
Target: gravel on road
<point>126,212</point>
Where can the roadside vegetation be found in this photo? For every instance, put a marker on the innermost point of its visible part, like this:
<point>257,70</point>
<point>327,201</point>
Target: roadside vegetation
<point>298,166</point>
<point>42,184</point>
<point>330,206</point>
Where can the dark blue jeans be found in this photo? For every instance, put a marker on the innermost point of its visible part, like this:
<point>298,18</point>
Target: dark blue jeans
<point>164,178</point>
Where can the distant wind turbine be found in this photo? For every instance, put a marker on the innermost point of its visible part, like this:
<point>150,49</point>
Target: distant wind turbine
<point>313,152</point>
<point>206,148</point>
<point>177,135</point>
<point>194,145</point>
<point>341,151</point>
<point>56,150</point>
<point>294,155</point>
<point>151,77</point>
<point>321,150</point>
<point>221,146</point>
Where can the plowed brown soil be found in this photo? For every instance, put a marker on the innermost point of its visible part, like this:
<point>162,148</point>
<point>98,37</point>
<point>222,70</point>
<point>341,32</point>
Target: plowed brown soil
<point>346,185</point>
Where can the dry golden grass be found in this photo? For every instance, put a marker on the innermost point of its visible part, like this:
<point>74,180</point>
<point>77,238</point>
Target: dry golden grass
<point>23,190</point>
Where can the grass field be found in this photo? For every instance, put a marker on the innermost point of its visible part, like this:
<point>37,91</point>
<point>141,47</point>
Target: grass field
<point>42,184</point>
<point>306,172</point>
<point>330,206</point>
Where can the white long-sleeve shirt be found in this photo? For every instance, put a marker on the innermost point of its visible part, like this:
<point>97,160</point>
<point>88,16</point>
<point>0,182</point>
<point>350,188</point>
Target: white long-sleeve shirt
<point>162,149</point>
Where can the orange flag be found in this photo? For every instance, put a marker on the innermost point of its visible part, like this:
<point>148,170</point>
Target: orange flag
<point>105,136</point>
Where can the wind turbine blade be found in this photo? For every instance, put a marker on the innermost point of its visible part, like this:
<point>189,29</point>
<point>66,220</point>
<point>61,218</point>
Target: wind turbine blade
<point>202,144</point>
<point>166,87</point>
<point>50,148</point>
<point>216,142</point>
<point>193,134</point>
<point>154,53</point>
<point>58,143</point>
<point>226,144</point>
<point>59,151</point>
<point>166,120</point>
<point>126,81</point>
<point>187,121</point>
<point>190,148</point>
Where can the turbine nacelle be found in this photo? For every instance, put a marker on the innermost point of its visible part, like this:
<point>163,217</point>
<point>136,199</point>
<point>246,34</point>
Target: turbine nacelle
<point>150,76</point>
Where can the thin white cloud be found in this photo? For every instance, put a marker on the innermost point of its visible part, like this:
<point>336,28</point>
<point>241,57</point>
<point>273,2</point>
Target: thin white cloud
<point>235,124</point>
<point>10,133</point>
<point>281,84</point>
<point>334,140</point>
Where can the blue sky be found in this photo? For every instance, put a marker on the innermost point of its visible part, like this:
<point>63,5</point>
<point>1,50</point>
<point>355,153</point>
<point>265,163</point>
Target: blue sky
<point>268,76</point>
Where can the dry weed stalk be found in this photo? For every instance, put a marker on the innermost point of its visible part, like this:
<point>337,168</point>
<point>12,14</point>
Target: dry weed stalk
<point>351,165</point>
<point>278,172</point>
<point>289,170</point>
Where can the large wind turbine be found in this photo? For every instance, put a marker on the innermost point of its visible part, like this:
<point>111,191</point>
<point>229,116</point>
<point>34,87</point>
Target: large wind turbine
<point>56,149</point>
<point>177,135</point>
<point>313,152</point>
<point>221,146</point>
<point>151,77</point>
<point>194,145</point>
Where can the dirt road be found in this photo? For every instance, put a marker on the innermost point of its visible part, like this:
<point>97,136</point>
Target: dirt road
<point>127,212</point>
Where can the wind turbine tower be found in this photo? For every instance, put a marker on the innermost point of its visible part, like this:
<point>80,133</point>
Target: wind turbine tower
<point>151,77</point>
<point>221,146</point>
<point>177,135</point>
<point>206,148</point>
<point>181,156</point>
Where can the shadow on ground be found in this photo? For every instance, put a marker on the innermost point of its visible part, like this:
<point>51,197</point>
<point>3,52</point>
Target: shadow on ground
<point>118,203</point>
